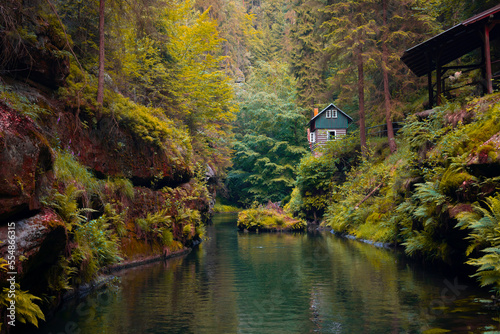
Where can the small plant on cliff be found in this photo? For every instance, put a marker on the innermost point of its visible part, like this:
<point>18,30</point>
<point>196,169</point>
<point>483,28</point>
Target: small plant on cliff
<point>97,247</point>
<point>191,221</point>
<point>154,225</point>
<point>59,275</point>
<point>27,311</point>
<point>160,226</point>
<point>69,170</point>
<point>20,100</point>
<point>120,186</point>
<point>66,206</point>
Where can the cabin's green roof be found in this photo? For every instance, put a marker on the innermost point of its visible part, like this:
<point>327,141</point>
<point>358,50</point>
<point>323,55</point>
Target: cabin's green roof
<point>349,119</point>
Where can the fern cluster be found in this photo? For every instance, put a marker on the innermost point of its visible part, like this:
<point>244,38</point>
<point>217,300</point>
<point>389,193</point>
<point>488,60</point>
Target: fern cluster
<point>98,246</point>
<point>27,311</point>
<point>484,222</point>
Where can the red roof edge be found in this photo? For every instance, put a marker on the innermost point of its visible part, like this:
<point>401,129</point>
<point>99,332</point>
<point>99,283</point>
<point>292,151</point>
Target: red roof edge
<point>482,16</point>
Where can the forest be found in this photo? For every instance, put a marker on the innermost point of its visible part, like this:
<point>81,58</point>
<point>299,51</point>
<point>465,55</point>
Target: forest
<point>125,124</point>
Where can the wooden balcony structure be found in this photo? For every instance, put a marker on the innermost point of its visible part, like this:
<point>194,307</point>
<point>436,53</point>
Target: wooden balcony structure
<point>435,53</point>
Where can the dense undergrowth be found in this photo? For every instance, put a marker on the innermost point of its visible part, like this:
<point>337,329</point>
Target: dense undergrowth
<point>95,215</point>
<point>437,196</point>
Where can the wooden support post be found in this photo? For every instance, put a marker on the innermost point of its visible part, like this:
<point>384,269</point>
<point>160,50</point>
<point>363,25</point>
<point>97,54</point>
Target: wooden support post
<point>487,58</point>
<point>438,82</point>
<point>429,81</point>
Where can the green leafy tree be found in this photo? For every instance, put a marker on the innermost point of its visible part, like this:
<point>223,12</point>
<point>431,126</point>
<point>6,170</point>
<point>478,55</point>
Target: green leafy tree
<point>452,12</point>
<point>270,137</point>
<point>203,91</point>
<point>317,176</point>
<point>238,34</point>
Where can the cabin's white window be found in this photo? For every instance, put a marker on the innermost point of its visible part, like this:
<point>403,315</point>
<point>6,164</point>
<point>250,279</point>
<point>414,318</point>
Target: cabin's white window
<point>313,137</point>
<point>331,113</point>
<point>332,134</point>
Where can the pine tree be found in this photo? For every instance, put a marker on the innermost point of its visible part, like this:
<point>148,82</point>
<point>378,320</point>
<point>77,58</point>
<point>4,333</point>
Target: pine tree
<point>308,58</point>
<point>400,26</point>
<point>385,70</point>
<point>100,79</point>
<point>351,32</point>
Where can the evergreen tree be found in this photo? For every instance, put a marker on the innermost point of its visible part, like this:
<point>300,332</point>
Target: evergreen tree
<point>100,78</point>
<point>308,58</point>
<point>385,74</point>
<point>400,26</point>
<point>351,31</point>
<point>452,12</point>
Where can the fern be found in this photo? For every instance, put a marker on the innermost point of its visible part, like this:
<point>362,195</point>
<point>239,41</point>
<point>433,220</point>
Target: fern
<point>485,225</point>
<point>66,206</point>
<point>27,311</point>
<point>428,193</point>
<point>59,275</point>
<point>97,247</point>
<point>69,171</point>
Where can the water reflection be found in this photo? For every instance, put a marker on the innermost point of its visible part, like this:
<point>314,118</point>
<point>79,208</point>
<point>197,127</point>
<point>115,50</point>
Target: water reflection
<point>279,283</point>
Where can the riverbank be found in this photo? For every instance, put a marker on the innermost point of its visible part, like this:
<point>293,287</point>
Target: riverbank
<point>436,196</point>
<point>378,244</point>
<point>106,273</point>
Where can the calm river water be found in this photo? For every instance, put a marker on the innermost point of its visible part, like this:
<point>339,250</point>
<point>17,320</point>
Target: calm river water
<point>280,283</point>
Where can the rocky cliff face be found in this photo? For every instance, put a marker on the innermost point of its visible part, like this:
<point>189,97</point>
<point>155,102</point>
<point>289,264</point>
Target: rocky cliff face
<point>26,162</point>
<point>113,151</point>
<point>160,179</point>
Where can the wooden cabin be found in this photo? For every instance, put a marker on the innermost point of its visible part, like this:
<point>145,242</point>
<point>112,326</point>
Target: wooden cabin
<point>329,124</point>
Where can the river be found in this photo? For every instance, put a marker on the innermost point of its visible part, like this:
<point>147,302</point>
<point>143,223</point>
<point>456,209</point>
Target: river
<point>237,282</point>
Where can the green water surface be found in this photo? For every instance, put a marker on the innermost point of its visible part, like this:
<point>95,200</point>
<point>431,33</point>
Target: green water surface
<point>238,282</point>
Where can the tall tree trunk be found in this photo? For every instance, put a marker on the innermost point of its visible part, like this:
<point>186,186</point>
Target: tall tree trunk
<point>100,78</point>
<point>387,94</point>
<point>361,98</point>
